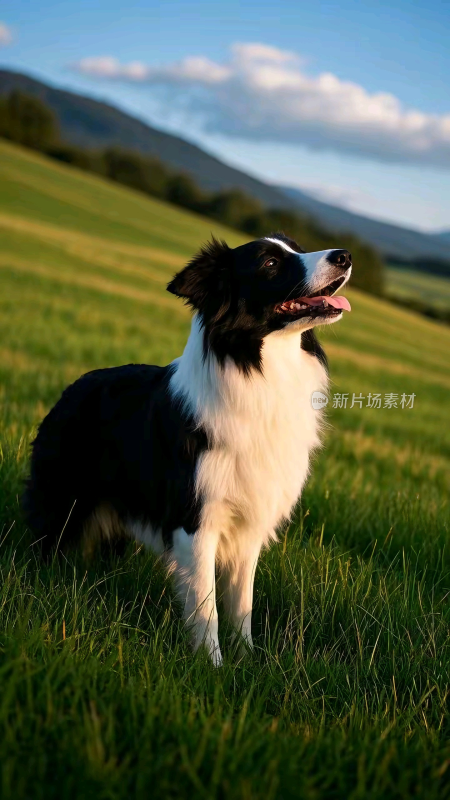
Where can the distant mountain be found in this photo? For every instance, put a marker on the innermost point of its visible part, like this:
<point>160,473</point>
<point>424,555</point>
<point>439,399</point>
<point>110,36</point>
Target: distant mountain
<point>89,123</point>
<point>443,236</point>
<point>391,240</point>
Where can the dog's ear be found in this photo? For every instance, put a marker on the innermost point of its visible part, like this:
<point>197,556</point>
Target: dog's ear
<point>206,279</point>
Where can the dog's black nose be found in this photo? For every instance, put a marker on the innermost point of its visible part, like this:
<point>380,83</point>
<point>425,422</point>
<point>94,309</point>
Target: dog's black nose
<point>340,258</point>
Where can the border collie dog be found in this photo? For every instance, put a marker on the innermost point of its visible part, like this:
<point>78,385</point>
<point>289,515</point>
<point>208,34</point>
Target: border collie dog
<point>201,460</point>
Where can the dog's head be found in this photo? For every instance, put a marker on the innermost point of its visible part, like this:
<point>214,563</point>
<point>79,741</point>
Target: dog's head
<point>266,286</point>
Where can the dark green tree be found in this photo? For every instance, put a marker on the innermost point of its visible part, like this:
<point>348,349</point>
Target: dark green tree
<point>139,172</point>
<point>183,191</point>
<point>26,120</point>
<point>233,208</point>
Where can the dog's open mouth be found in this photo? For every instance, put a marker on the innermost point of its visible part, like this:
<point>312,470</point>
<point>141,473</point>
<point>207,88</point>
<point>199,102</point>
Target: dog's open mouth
<point>325,304</point>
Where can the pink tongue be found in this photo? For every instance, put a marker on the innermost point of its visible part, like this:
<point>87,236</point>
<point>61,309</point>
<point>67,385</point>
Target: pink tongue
<point>336,302</point>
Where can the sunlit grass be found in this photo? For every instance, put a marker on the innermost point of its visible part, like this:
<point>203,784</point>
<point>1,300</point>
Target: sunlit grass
<point>427,288</point>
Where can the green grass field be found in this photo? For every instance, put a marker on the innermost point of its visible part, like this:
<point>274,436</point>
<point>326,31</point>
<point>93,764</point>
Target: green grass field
<point>346,694</point>
<point>409,283</point>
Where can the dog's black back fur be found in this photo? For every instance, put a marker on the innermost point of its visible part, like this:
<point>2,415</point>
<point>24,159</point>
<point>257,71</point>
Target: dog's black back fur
<point>113,434</point>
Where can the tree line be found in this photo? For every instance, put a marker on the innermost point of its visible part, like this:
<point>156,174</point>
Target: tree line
<point>26,120</point>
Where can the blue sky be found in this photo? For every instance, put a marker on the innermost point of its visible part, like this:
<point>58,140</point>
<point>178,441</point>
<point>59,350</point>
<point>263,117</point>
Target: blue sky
<point>349,100</point>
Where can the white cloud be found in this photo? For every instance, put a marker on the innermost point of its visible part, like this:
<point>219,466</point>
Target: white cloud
<point>194,69</point>
<point>264,94</point>
<point>5,35</point>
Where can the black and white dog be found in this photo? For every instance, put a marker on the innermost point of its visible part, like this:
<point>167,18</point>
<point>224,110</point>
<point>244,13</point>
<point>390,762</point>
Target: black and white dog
<point>203,459</point>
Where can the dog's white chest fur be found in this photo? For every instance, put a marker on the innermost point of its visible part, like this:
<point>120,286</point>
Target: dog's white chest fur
<point>262,428</point>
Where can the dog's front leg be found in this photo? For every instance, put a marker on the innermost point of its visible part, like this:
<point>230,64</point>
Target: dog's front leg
<point>192,561</point>
<point>236,587</point>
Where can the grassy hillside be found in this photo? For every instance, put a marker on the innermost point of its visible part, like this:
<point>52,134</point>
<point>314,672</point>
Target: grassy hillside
<point>346,695</point>
<point>409,283</point>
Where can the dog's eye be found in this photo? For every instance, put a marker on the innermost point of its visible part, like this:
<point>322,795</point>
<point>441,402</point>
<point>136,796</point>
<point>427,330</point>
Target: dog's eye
<point>271,262</point>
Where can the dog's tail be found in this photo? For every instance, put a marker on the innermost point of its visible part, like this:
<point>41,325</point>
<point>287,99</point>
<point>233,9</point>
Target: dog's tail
<point>55,501</point>
<point>50,512</point>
